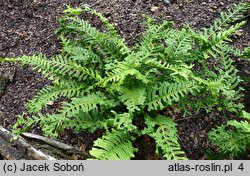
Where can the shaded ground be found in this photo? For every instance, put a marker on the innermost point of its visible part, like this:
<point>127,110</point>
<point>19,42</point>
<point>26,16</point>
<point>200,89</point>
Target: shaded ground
<point>27,27</point>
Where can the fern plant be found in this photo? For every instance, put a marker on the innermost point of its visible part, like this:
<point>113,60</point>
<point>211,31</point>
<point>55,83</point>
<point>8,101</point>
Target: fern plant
<point>109,85</point>
<point>233,138</point>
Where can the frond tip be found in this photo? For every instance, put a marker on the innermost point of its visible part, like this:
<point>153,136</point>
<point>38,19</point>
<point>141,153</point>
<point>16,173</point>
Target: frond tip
<point>115,145</point>
<point>163,130</point>
<point>232,138</point>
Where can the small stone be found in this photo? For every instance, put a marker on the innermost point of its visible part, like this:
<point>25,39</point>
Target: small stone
<point>154,8</point>
<point>192,135</point>
<point>206,118</point>
<point>221,3</point>
<point>196,142</point>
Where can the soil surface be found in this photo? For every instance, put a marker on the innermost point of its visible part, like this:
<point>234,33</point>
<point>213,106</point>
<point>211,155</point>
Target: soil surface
<point>27,27</point>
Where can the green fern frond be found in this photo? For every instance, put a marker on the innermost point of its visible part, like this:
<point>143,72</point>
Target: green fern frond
<point>215,42</point>
<point>58,66</point>
<point>24,123</point>
<point>167,93</point>
<point>245,115</point>
<point>123,122</point>
<point>90,121</point>
<point>72,11</point>
<point>223,35</point>
<point>81,55</point>
<point>235,13</point>
<point>178,69</point>
<point>7,59</point>
<point>48,94</point>
<point>154,33</point>
<point>221,29</point>
<point>52,124</point>
<point>78,11</point>
<point>246,53</point>
<point>132,98</point>
<point>232,138</point>
<point>179,44</point>
<point>163,130</point>
<point>153,62</point>
<point>83,104</point>
<point>105,21</point>
<point>227,84</point>
<point>121,71</point>
<point>104,43</point>
<point>183,45</point>
<point>115,145</point>
<point>69,25</point>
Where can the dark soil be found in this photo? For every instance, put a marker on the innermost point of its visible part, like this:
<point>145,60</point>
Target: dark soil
<point>27,27</point>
